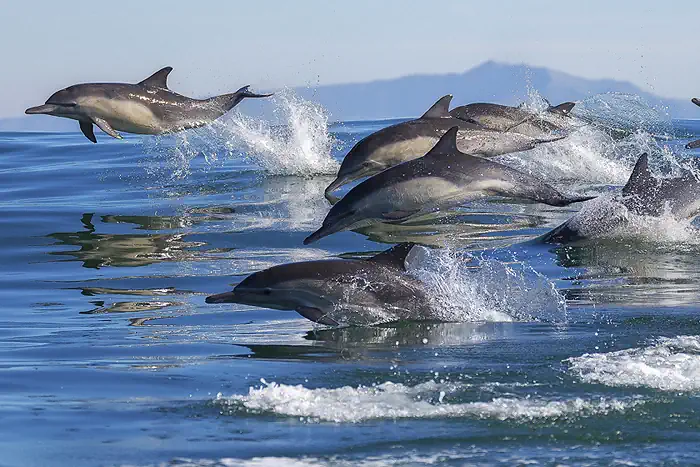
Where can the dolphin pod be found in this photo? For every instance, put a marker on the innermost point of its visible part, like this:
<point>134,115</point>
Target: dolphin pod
<point>443,178</point>
<point>432,163</point>
<point>147,107</point>
<point>412,139</point>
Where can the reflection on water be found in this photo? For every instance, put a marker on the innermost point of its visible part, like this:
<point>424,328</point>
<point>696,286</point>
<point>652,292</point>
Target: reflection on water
<point>355,343</point>
<point>457,228</point>
<point>126,250</point>
<point>633,274</point>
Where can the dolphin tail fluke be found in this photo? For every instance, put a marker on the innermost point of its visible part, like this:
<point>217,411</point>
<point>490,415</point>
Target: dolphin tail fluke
<point>577,199</point>
<point>693,144</point>
<point>560,200</point>
<point>245,92</point>
<point>229,101</point>
<point>550,139</point>
<point>562,109</point>
<point>695,101</point>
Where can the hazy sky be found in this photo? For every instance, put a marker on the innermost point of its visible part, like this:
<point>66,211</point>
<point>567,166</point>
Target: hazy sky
<point>217,45</point>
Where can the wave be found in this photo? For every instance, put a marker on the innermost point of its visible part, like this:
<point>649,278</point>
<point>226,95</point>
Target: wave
<point>396,401</point>
<point>668,364</point>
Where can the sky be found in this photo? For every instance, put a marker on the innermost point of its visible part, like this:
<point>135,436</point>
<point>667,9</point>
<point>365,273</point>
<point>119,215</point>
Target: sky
<point>216,46</point>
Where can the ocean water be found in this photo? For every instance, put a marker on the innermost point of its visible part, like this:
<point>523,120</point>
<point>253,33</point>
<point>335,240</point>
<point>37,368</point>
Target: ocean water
<point>567,355</point>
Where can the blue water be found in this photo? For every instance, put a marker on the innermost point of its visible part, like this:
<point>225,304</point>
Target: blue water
<point>109,356</point>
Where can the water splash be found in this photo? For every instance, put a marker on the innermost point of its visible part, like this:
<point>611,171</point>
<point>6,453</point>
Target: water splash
<point>297,144</point>
<point>395,401</point>
<point>470,288</point>
<point>668,364</point>
<point>625,113</point>
<point>607,218</point>
<point>607,133</point>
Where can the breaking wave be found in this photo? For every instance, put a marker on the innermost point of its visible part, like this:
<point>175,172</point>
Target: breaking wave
<point>668,364</point>
<point>395,401</point>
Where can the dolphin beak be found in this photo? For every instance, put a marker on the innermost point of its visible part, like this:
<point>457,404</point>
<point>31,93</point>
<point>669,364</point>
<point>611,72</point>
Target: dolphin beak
<point>40,109</point>
<point>318,235</point>
<point>226,297</point>
<point>693,145</point>
<point>335,184</point>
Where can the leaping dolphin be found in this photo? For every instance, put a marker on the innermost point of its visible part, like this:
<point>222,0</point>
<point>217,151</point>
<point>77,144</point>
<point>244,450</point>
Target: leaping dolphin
<point>409,140</point>
<point>443,178</point>
<point>506,118</point>
<point>325,291</point>
<point>643,195</point>
<point>694,144</point>
<point>147,108</point>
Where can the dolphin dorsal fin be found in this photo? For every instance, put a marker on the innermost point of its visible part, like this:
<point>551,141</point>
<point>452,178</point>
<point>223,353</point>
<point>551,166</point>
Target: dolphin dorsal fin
<point>440,109</point>
<point>641,177</point>
<point>159,79</point>
<point>394,256</point>
<point>447,143</point>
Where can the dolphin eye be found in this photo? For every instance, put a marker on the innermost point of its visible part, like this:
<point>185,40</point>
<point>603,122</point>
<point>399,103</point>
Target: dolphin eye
<point>267,291</point>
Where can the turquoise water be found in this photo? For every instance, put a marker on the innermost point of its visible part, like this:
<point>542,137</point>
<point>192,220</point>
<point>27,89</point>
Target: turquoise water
<point>109,355</point>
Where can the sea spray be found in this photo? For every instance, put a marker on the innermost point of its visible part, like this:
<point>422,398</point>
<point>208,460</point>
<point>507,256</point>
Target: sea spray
<point>465,287</point>
<point>298,143</point>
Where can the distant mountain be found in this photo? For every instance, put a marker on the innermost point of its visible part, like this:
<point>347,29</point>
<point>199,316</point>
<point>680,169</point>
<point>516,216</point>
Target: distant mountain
<point>412,95</point>
<point>488,82</point>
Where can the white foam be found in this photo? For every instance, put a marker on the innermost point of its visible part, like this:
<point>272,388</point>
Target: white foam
<point>668,364</point>
<point>603,144</point>
<point>298,144</point>
<point>606,218</point>
<point>395,401</point>
<point>469,288</point>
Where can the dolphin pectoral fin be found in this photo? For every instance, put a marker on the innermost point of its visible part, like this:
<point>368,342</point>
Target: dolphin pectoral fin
<point>88,131</point>
<point>106,127</point>
<point>316,315</point>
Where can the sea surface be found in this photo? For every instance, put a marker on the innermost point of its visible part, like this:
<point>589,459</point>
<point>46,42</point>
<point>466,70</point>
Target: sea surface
<point>566,355</point>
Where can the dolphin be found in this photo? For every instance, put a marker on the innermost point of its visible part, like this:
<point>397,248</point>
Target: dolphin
<point>505,118</point>
<point>694,144</point>
<point>443,178</point>
<point>147,108</point>
<point>325,290</point>
<point>643,195</point>
<point>412,139</point>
